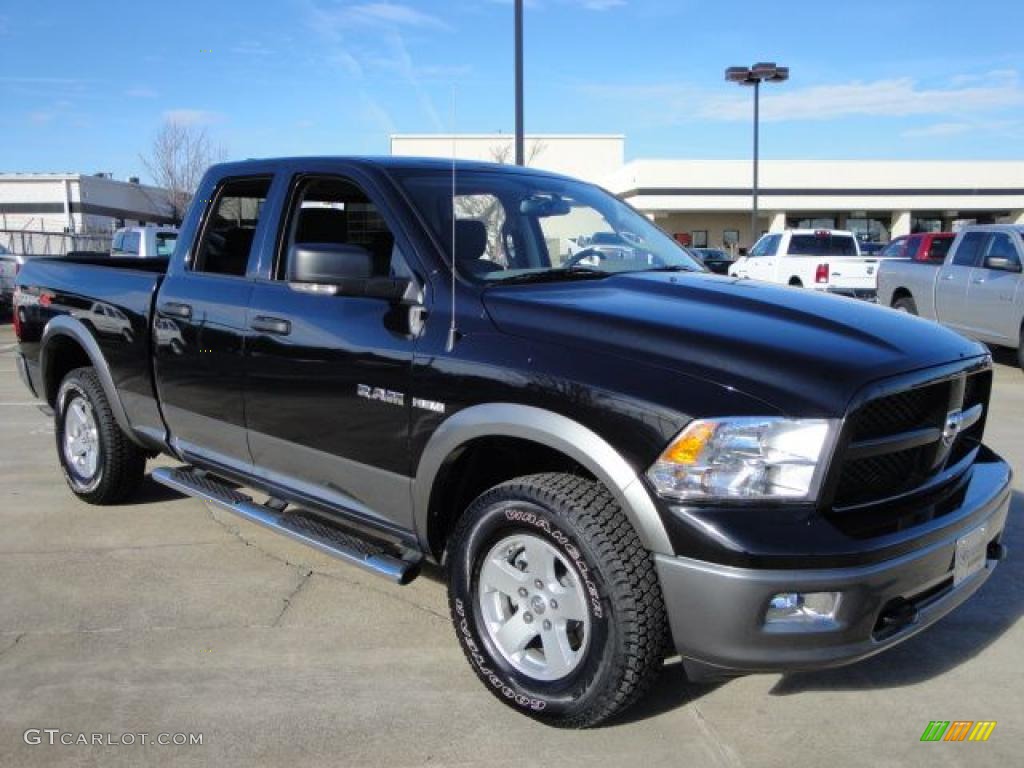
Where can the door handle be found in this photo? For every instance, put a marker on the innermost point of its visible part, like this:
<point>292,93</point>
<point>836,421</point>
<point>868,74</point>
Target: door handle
<point>273,325</point>
<point>978,280</point>
<point>177,309</point>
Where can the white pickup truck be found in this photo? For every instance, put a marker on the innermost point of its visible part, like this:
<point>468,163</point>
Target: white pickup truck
<point>978,290</point>
<point>823,259</point>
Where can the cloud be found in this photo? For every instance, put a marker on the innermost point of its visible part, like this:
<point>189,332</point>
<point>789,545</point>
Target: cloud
<point>187,116</point>
<point>141,92</point>
<point>937,130</point>
<point>898,97</point>
<point>41,117</point>
<point>383,14</point>
<point>251,48</point>
<point>965,95</point>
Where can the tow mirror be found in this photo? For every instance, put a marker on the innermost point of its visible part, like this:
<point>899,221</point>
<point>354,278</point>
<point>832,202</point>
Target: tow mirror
<point>344,269</point>
<point>1002,263</point>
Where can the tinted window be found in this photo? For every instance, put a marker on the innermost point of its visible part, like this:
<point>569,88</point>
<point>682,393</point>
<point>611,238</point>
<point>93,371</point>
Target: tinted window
<point>337,211</point>
<point>771,245</point>
<point>231,227</point>
<point>939,248</point>
<point>822,245</point>
<point>165,242</point>
<point>131,243</point>
<point>118,241</point>
<point>1001,247</point>
<point>894,250</point>
<point>968,252</point>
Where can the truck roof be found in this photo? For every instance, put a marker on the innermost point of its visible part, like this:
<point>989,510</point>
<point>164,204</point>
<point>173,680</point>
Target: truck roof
<point>390,163</point>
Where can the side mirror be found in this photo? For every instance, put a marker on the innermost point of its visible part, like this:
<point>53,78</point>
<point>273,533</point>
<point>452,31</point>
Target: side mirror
<point>344,269</point>
<point>1002,263</point>
<point>328,263</point>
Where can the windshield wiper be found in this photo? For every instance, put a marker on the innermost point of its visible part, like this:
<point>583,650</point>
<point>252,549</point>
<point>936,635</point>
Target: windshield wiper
<point>553,275</point>
<point>668,268</point>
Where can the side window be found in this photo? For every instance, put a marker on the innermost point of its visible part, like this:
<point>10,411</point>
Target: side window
<point>759,248</point>
<point>771,245</point>
<point>969,249</point>
<point>939,249</point>
<point>131,243</point>
<point>231,226</point>
<point>118,242</point>
<point>484,241</point>
<point>1001,247</point>
<point>337,211</point>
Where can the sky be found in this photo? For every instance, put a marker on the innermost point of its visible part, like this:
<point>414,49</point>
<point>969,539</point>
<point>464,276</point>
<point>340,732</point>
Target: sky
<point>85,84</point>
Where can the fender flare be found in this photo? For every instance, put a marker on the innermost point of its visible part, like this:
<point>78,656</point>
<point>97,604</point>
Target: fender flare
<point>65,325</point>
<point>553,430</point>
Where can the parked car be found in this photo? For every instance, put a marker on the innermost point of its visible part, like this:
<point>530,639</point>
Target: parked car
<point>823,259</point>
<point>144,242</point>
<point>925,246</point>
<point>9,266</point>
<point>977,289</point>
<point>601,457</point>
<point>715,259</point>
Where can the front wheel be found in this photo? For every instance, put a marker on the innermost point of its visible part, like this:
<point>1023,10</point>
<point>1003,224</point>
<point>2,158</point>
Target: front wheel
<point>555,602</point>
<point>101,465</point>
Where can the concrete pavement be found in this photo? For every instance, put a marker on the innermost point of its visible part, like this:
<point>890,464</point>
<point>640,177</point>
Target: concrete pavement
<point>165,616</point>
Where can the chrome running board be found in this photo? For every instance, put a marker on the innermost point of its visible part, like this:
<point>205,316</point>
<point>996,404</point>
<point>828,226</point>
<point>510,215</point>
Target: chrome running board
<point>296,524</point>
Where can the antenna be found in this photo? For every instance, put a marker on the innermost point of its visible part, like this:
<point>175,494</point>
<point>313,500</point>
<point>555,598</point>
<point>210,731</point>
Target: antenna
<point>452,330</point>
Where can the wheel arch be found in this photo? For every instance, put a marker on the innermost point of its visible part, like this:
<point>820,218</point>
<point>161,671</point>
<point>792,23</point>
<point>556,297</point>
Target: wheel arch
<point>66,345</point>
<point>900,293</point>
<point>554,434</point>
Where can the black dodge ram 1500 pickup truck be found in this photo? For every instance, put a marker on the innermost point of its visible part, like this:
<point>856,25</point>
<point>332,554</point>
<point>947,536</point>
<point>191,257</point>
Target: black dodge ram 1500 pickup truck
<point>612,455</point>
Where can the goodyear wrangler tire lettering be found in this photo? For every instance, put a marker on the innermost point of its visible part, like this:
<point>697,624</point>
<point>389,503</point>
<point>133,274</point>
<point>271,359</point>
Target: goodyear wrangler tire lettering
<point>571,643</point>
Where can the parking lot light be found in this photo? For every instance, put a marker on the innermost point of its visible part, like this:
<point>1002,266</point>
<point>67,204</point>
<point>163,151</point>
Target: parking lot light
<point>762,72</point>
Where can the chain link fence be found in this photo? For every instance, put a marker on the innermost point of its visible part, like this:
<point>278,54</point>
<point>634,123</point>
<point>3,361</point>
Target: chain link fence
<point>39,243</point>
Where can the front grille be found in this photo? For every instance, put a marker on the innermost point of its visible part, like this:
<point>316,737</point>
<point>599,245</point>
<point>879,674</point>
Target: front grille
<point>895,442</point>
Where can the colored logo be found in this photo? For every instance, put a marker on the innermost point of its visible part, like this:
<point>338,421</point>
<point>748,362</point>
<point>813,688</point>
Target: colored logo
<point>958,730</point>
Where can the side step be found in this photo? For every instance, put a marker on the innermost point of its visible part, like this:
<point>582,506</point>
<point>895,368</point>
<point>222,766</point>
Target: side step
<point>296,524</point>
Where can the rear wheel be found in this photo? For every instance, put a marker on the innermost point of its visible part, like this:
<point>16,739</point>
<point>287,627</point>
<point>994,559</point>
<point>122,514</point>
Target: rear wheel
<point>101,464</point>
<point>796,282</point>
<point>905,304</point>
<point>555,602</point>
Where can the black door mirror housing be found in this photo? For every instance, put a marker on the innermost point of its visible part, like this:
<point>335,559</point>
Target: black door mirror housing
<point>328,263</point>
<point>344,269</point>
<point>1002,263</point>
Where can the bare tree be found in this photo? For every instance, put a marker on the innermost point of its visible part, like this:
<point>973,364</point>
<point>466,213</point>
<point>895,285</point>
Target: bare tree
<point>180,154</point>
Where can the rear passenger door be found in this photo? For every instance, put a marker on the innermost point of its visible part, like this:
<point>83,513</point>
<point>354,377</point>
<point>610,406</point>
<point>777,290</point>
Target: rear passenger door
<point>992,292</point>
<point>954,277</point>
<point>200,328</point>
<point>327,395</point>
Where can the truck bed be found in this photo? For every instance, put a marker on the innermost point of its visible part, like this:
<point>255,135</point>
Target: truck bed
<point>113,300</point>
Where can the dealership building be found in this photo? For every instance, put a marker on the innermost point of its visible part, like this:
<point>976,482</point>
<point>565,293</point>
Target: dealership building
<point>708,202</point>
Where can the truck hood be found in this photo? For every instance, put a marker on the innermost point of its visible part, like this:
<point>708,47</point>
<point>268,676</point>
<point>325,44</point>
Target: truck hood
<point>800,351</point>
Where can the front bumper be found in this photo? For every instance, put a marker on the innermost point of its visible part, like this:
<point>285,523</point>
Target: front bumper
<point>717,611</point>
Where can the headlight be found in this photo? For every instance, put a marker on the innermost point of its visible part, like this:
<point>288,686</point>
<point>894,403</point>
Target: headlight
<point>743,458</point>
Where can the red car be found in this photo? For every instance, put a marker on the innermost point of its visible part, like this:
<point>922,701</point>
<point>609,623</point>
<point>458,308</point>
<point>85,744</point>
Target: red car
<point>926,246</point>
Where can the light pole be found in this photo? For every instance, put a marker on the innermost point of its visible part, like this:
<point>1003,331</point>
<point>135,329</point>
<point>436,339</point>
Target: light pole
<point>764,72</point>
<point>520,136</point>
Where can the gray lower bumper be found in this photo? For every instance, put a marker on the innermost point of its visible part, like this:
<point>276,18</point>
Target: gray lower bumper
<point>717,611</point>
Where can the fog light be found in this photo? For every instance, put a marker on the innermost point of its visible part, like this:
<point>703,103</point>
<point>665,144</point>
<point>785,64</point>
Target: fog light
<point>802,610</point>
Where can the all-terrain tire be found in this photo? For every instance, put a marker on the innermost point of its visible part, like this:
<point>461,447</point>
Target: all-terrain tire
<point>120,464</point>
<point>581,522</point>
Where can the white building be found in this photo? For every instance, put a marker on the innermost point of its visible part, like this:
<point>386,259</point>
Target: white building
<point>708,202</point>
<point>57,212</point>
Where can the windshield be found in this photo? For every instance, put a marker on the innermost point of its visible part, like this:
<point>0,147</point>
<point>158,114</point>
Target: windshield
<point>165,242</point>
<point>517,226</point>
<point>822,244</point>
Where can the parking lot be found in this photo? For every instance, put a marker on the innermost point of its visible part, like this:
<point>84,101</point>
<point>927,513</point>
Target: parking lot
<point>167,616</point>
